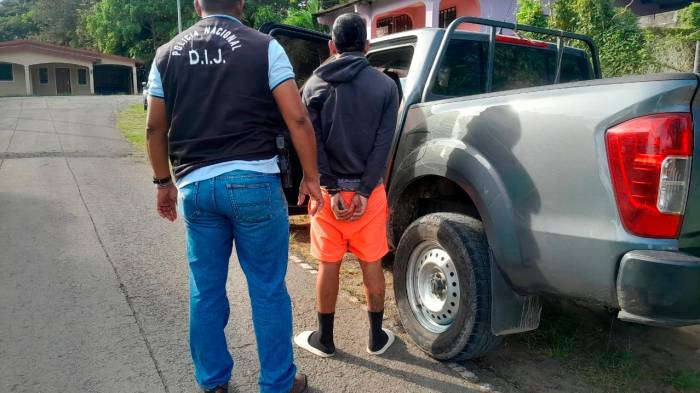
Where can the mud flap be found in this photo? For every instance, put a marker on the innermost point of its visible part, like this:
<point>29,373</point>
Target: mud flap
<point>511,313</point>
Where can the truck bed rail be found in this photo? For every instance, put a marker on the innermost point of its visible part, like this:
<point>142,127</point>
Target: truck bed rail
<point>494,25</point>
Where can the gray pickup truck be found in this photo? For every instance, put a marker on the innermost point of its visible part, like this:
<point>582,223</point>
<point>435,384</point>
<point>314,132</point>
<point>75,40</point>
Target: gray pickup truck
<point>517,172</point>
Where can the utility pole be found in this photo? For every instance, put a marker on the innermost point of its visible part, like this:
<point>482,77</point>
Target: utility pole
<point>696,66</point>
<point>179,17</point>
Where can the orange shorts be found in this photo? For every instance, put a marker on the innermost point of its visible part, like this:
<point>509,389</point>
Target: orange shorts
<point>366,237</point>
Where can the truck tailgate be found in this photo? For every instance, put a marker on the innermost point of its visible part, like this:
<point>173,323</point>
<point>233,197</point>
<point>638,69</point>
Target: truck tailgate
<point>689,240</point>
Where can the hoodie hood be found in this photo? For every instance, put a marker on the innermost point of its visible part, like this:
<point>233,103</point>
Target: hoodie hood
<point>343,69</point>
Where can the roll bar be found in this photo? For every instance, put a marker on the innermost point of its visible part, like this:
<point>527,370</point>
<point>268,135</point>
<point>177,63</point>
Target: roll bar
<point>493,25</point>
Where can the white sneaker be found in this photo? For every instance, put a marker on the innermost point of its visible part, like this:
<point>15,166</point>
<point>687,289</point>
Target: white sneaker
<point>391,339</point>
<point>302,340</point>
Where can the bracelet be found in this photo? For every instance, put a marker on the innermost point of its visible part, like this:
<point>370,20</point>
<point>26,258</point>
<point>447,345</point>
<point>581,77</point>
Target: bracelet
<point>164,185</point>
<point>164,180</point>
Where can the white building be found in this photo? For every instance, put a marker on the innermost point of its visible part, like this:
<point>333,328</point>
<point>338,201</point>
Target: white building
<point>36,68</point>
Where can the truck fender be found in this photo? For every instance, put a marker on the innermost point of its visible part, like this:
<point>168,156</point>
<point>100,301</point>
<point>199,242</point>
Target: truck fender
<point>470,170</point>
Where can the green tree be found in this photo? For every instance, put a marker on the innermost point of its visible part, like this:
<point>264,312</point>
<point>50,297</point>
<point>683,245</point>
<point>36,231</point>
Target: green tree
<point>138,27</point>
<point>622,44</point>
<point>17,20</point>
<point>530,13</point>
<point>258,12</point>
<point>690,22</point>
<point>303,15</point>
<point>134,27</point>
<point>267,14</point>
<point>58,20</point>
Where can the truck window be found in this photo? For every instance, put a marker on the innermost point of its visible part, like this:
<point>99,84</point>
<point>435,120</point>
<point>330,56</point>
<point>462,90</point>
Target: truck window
<point>305,55</point>
<point>462,71</point>
<point>395,62</point>
<point>518,67</point>
<point>574,68</point>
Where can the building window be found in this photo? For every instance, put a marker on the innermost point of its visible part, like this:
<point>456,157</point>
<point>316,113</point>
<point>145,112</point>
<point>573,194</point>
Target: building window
<point>44,76</point>
<point>447,16</point>
<point>82,76</point>
<point>6,74</point>
<point>393,24</point>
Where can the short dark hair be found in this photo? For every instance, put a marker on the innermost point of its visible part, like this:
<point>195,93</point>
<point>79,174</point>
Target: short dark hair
<point>218,5</point>
<point>350,33</point>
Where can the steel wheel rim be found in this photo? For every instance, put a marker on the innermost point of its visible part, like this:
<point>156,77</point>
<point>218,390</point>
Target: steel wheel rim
<point>433,287</point>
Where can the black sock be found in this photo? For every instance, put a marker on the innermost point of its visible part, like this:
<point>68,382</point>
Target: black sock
<point>322,339</point>
<point>377,337</point>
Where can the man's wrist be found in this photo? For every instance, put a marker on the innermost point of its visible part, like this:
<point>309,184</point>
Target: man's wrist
<point>362,194</point>
<point>363,190</point>
<point>312,176</point>
<point>164,182</point>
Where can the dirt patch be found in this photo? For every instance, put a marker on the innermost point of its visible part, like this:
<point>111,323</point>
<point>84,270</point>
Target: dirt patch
<point>578,347</point>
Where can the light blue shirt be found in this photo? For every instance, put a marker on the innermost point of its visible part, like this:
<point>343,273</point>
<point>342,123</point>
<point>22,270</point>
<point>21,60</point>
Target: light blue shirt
<point>279,70</point>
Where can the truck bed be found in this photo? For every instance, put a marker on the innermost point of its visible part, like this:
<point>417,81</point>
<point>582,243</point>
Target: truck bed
<point>545,147</point>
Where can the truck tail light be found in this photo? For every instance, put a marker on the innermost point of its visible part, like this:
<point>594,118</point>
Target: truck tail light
<point>649,160</point>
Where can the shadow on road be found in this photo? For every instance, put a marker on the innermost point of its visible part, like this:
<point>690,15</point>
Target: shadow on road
<point>399,354</point>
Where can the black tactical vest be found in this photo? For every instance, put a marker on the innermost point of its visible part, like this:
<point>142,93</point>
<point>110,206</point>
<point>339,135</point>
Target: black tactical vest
<point>217,95</point>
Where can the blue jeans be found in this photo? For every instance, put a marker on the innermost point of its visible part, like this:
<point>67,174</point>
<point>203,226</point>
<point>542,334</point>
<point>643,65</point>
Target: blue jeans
<point>248,208</point>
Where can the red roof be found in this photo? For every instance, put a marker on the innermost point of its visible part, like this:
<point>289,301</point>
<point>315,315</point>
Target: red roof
<point>62,51</point>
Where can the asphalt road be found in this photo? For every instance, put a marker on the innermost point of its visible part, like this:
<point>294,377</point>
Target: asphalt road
<point>93,284</point>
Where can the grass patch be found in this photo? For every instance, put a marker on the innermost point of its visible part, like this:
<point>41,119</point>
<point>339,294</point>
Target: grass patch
<point>131,121</point>
<point>558,336</point>
<point>588,348</point>
<point>684,380</point>
<point>619,370</point>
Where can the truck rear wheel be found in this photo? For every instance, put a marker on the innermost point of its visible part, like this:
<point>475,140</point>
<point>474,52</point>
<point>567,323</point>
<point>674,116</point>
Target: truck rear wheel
<point>442,285</point>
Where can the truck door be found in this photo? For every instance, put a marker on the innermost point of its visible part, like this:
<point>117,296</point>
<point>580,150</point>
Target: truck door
<point>306,50</point>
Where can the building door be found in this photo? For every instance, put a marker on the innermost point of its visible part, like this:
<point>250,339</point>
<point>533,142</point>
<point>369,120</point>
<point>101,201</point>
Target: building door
<point>63,81</point>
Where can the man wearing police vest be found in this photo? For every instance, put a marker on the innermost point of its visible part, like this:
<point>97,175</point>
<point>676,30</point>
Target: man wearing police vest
<point>218,93</point>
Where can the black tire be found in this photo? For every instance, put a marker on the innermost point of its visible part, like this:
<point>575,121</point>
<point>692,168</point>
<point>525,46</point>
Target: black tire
<point>469,336</point>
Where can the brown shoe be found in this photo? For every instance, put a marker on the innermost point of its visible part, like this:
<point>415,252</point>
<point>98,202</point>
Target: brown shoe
<point>300,383</point>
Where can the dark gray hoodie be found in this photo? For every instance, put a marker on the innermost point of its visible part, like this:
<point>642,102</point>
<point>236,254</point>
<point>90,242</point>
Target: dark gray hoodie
<point>353,108</point>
